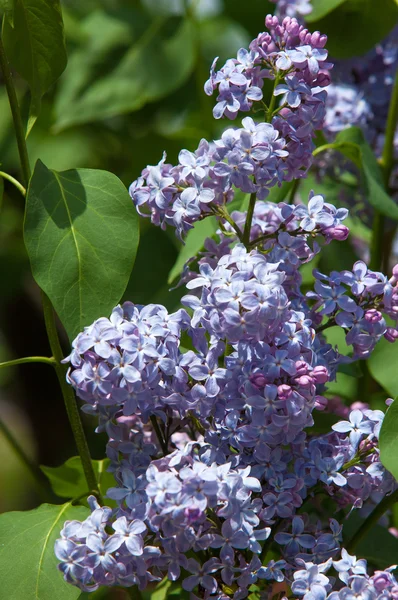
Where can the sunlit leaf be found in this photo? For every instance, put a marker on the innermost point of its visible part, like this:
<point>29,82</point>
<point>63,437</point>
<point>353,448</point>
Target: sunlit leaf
<point>193,244</point>
<point>35,46</point>
<point>152,68</point>
<point>28,565</point>
<point>68,480</point>
<point>81,232</point>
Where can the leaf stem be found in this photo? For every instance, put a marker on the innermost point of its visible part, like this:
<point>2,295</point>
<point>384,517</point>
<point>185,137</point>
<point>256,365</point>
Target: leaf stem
<point>49,317</point>
<point>28,359</point>
<point>159,435</point>
<point>294,190</point>
<point>387,163</point>
<point>271,107</point>
<point>14,181</point>
<point>16,115</point>
<point>224,214</point>
<point>249,219</point>
<point>69,397</point>
<point>371,520</point>
<point>38,476</point>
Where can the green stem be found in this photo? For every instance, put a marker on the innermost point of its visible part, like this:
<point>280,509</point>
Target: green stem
<point>49,317</point>
<point>376,245</point>
<point>294,190</point>
<point>28,359</point>
<point>14,181</point>
<point>38,476</point>
<point>16,115</point>
<point>387,163</point>
<point>371,520</point>
<point>159,435</point>
<point>69,397</point>
<point>223,213</point>
<point>387,158</point>
<point>271,107</point>
<point>249,219</point>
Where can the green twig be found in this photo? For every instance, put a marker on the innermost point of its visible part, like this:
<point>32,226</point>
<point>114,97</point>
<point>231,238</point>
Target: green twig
<point>222,212</point>
<point>249,219</point>
<point>159,435</point>
<point>49,317</point>
<point>16,115</point>
<point>69,396</point>
<point>294,190</point>
<point>38,476</point>
<point>387,163</point>
<point>371,520</point>
<point>28,359</point>
<point>14,181</point>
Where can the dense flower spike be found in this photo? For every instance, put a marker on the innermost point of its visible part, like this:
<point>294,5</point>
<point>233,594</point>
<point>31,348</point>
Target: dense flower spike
<point>259,155</point>
<point>209,410</point>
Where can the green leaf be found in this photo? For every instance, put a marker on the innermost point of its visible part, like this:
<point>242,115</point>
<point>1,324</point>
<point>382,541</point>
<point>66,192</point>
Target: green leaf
<point>379,547</point>
<point>35,46</point>
<point>28,565</point>
<point>160,592</point>
<point>354,26</point>
<point>351,143</point>
<point>193,244</point>
<point>68,480</point>
<point>81,233</point>
<point>320,8</point>
<point>221,37</point>
<point>151,69</point>
<point>7,8</point>
<point>388,440</point>
<point>1,192</point>
<point>279,193</point>
<point>380,364</point>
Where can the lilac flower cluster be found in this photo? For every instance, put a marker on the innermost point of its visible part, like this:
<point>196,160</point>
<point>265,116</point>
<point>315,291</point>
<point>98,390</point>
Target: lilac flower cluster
<point>259,155</point>
<point>356,301</point>
<point>288,51</point>
<point>231,414</point>
<point>252,159</point>
<point>311,583</point>
<point>209,409</point>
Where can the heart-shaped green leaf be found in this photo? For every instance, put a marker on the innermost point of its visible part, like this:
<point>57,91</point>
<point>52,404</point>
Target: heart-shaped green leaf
<point>28,565</point>
<point>81,232</point>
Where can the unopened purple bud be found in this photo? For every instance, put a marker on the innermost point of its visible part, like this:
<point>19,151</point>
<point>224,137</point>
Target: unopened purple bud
<point>321,403</point>
<point>305,381</point>
<point>367,445</point>
<point>320,374</point>
<point>271,21</point>
<point>301,367</point>
<point>284,391</point>
<point>373,316</point>
<point>391,334</point>
<point>381,580</point>
<point>340,232</point>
